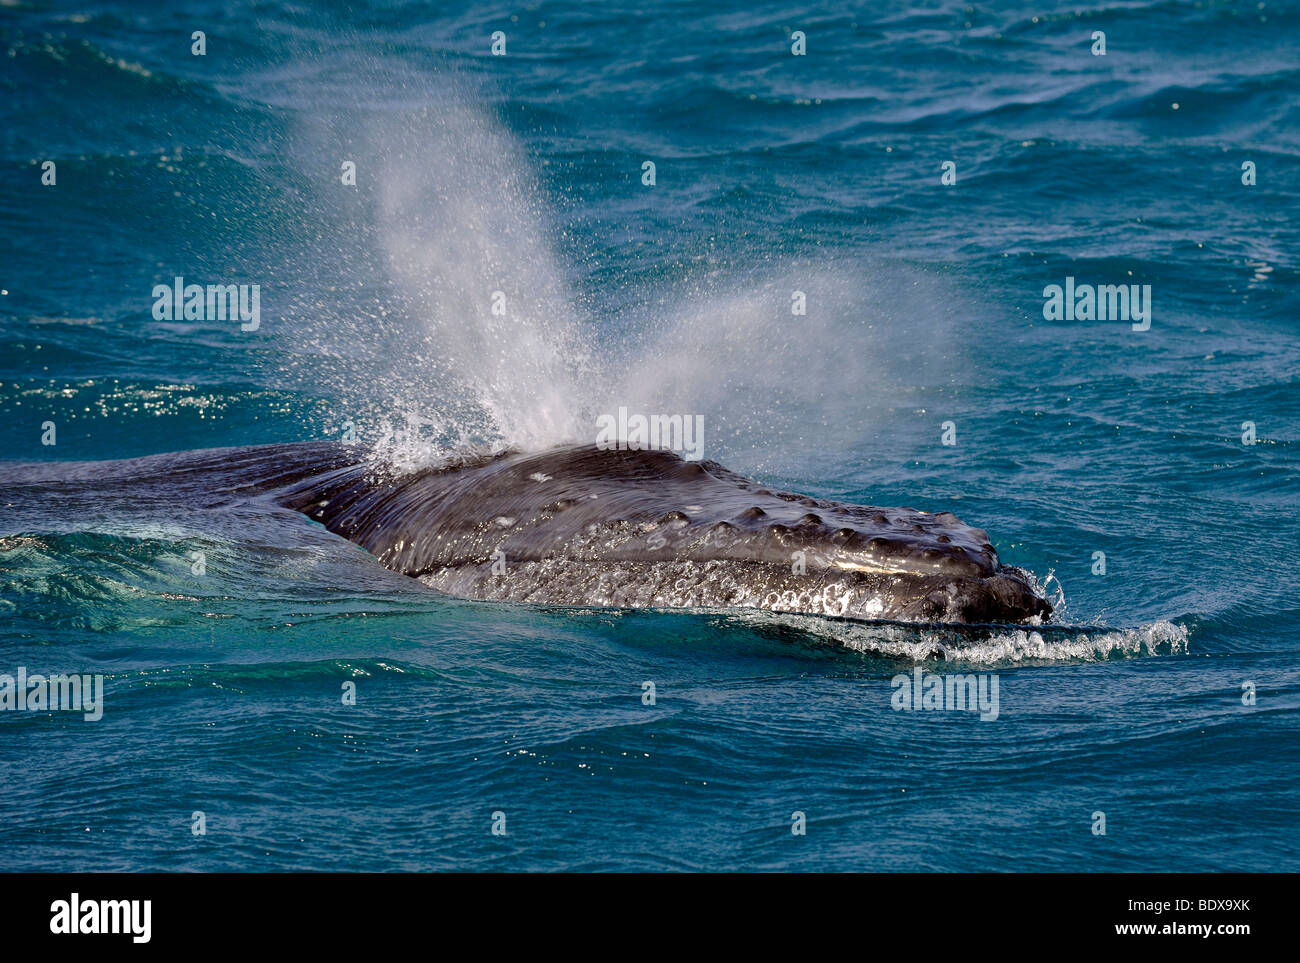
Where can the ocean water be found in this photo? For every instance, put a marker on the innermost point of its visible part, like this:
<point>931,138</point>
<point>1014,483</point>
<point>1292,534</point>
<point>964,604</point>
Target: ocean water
<point>1165,694</point>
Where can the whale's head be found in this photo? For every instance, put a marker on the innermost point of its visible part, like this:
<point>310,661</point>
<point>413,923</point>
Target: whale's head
<point>583,526</point>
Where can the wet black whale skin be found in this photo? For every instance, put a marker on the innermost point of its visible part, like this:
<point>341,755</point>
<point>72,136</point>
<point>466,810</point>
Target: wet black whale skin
<point>582,525</point>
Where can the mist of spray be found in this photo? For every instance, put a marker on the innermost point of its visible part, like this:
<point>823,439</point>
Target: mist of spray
<point>459,328</point>
<point>463,237</point>
<point>428,305</point>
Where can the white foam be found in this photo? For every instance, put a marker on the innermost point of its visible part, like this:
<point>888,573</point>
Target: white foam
<point>992,645</point>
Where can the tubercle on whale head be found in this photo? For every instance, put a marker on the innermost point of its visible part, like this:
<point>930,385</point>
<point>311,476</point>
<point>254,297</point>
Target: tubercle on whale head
<point>744,521</point>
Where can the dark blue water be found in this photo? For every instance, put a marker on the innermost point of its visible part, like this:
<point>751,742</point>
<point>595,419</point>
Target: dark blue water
<point>774,173</point>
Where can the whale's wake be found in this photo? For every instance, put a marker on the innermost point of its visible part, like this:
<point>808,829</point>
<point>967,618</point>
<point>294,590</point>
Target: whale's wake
<point>985,645</point>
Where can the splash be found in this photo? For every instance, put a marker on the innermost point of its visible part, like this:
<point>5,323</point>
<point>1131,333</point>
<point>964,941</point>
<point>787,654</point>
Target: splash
<point>429,307</point>
<point>460,327</point>
<point>463,239</point>
<point>773,385</point>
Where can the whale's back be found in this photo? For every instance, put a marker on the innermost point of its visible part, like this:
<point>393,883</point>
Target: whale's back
<point>581,525</point>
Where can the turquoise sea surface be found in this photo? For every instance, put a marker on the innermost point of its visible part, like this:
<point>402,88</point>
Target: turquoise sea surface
<point>1166,692</point>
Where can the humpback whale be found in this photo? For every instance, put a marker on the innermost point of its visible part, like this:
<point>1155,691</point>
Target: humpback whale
<point>585,526</point>
<point>580,525</point>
